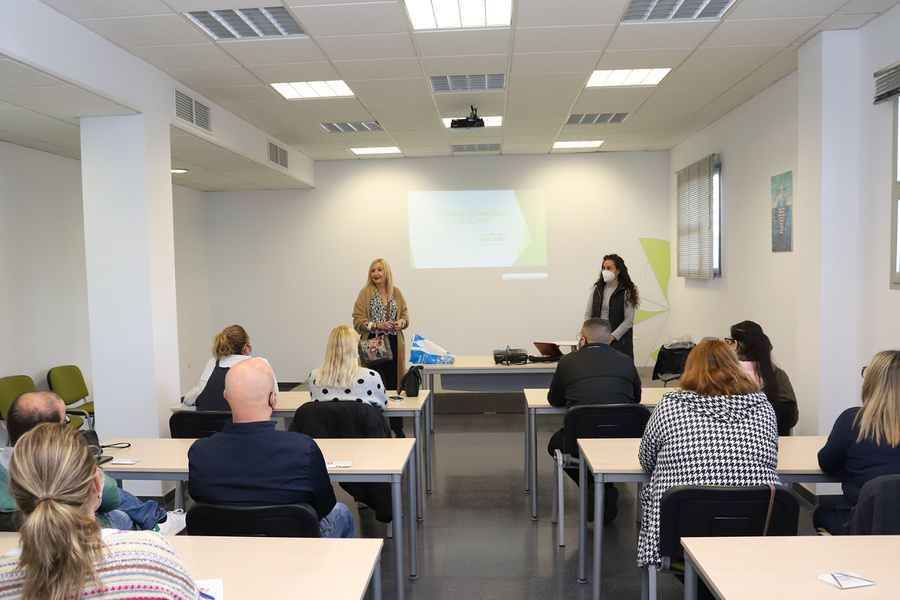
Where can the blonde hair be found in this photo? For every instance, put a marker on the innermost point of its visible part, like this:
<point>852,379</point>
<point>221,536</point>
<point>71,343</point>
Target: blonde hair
<point>50,475</point>
<point>712,369</point>
<point>341,358</point>
<point>388,278</point>
<point>231,341</point>
<point>879,417</point>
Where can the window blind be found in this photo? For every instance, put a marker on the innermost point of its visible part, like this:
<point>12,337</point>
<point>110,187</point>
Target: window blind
<point>696,229</point>
<point>887,83</point>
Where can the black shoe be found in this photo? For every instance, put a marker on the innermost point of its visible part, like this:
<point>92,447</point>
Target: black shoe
<point>610,506</point>
<point>399,433</point>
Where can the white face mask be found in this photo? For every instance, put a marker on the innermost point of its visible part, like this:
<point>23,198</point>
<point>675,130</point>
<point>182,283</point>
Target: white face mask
<point>608,276</point>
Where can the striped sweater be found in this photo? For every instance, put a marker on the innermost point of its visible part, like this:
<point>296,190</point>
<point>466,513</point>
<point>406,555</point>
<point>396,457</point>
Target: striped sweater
<point>137,565</point>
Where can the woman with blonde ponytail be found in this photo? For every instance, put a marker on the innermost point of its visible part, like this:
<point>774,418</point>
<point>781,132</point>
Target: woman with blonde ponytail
<point>230,347</point>
<point>55,481</point>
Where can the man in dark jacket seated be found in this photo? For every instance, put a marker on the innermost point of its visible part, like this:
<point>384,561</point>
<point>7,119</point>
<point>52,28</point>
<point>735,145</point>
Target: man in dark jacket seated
<point>250,463</point>
<point>593,374</point>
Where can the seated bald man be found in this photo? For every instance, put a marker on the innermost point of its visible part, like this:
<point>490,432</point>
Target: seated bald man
<point>118,509</point>
<point>251,463</point>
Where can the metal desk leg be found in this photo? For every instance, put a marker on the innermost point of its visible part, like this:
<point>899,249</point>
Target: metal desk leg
<point>599,493</point>
<point>582,520</point>
<point>417,427</point>
<point>690,579</point>
<point>376,580</point>
<point>527,451</point>
<point>428,438</point>
<point>411,487</point>
<point>533,450</point>
<point>397,518</point>
<point>431,404</point>
<point>179,495</point>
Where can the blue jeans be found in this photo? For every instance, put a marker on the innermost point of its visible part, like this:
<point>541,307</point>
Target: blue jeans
<point>145,515</point>
<point>120,520</point>
<point>338,523</point>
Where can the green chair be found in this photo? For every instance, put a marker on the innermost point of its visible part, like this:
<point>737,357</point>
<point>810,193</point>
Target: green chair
<point>68,382</point>
<point>15,385</point>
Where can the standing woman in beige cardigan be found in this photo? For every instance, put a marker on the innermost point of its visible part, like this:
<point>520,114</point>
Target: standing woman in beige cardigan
<point>380,308</point>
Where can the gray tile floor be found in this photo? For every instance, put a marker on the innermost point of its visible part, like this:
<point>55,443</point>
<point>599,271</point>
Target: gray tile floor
<point>478,539</point>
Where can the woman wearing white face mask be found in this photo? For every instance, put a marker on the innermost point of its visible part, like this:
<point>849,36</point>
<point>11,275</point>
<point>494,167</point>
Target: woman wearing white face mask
<point>614,298</point>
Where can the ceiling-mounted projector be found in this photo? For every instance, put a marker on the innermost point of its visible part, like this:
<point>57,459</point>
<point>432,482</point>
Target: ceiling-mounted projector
<point>473,120</point>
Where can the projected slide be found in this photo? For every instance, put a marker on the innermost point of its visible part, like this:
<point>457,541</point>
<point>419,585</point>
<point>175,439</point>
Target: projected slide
<point>477,228</point>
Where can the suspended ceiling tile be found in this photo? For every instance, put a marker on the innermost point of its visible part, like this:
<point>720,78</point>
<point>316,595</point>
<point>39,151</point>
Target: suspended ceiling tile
<point>737,56</point>
<point>643,36</point>
<point>151,30</point>
<point>367,47</point>
<point>214,77</point>
<point>760,32</point>
<point>190,56</point>
<point>86,9</point>
<point>273,51</point>
<point>307,71</point>
<point>563,39</point>
<point>774,9</point>
<point>352,19</point>
<point>399,68</point>
<point>643,59</point>
<point>555,62</point>
<point>463,42</point>
<point>535,13</point>
<point>440,66</point>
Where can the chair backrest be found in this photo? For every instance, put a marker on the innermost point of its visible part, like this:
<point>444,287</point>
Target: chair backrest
<point>186,424</point>
<point>68,382</point>
<point>878,510</point>
<point>285,520</point>
<point>11,388</point>
<point>714,511</point>
<point>603,421</point>
<point>340,420</point>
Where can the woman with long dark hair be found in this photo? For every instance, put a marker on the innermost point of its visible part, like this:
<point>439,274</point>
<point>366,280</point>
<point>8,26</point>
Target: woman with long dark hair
<point>755,352</point>
<point>613,298</point>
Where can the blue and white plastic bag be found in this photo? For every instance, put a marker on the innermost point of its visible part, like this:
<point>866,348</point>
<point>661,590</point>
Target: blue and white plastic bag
<point>424,352</point>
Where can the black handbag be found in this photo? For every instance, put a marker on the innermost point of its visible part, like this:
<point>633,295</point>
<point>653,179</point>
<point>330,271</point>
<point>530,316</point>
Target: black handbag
<point>411,381</point>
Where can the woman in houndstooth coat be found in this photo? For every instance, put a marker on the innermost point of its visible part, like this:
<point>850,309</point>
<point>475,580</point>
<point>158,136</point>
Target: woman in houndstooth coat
<point>719,429</point>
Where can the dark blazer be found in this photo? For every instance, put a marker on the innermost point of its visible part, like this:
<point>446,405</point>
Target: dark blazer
<point>253,464</point>
<point>594,374</point>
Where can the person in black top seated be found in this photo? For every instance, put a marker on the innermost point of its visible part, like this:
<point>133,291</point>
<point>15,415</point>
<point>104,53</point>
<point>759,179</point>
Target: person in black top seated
<point>230,347</point>
<point>249,463</point>
<point>593,374</point>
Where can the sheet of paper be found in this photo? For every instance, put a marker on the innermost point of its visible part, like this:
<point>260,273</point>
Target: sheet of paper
<point>125,461</point>
<point>845,579</point>
<point>211,589</point>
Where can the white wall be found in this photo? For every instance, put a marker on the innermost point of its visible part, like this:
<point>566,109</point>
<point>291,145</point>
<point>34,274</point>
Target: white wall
<point>879,328</point>
<point>755,141</point>
<point>43,306</point>
<point>288,265</point>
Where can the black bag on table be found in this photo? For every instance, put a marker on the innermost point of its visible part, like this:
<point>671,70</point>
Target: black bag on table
<point>412,380</point>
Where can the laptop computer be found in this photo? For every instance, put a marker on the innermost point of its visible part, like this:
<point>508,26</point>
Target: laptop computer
<point>548,348</point>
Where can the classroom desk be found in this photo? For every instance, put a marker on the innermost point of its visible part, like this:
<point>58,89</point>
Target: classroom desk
<point>251,568</point>
<point>746,568</point>
<point>290,401</point>
<point>481,373</point>
<point>536,404</point>
<point>616,460</point>
<point>374,461</point>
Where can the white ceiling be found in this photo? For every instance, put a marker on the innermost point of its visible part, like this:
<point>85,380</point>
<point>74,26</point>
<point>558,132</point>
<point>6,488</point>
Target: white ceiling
<point>547,54</point>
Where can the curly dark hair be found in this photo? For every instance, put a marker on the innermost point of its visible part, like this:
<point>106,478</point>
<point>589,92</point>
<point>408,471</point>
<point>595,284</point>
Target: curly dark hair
<point>754,346</point>
<point>631,291</point>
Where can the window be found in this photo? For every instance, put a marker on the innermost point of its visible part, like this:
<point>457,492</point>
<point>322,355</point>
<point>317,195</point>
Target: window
<point>699,227</point>
<point>895,202</point>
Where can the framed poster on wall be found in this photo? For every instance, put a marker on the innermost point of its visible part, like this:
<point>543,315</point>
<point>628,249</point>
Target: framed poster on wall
<point>782,213</point>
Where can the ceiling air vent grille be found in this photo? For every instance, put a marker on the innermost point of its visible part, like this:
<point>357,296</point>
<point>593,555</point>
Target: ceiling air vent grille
<point>194,112</point>
<point>671,10</point>
<point>597,119</point>
<point>475,147</point>
<point>351,127</point>
<point>468,83</point>
<point>247,23</point>
<point>278,155</point>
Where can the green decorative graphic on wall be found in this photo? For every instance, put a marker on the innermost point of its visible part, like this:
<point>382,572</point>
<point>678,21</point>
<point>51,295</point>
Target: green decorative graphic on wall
<point>657,252</point>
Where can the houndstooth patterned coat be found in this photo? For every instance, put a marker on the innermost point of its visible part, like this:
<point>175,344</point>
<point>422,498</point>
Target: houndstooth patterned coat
<point>704,440</point>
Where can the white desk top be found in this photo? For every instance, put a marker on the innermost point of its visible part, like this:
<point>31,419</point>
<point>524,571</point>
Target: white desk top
<point>252,568</point>
<point>797,455</point>
<point>369,456</point>
<point>750,568</point>
<point>537,397</point>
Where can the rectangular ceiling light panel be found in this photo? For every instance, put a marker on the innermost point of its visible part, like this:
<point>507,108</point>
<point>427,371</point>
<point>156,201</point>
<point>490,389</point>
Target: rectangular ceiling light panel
<point>627,77</point>
<point>569,145</point>
<point>671,10</point>
<point>313,89</point>
<point>381,150</point>
<point>458,14</point>
<point>247,23</point>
